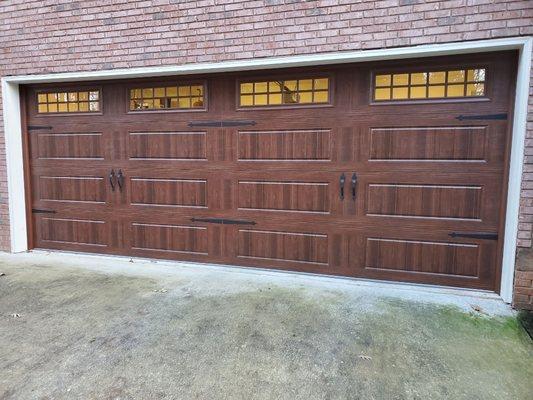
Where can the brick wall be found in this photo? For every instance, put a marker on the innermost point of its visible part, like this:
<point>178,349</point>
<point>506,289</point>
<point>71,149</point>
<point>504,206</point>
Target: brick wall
<point>65,35</point>
<point>523,292</point>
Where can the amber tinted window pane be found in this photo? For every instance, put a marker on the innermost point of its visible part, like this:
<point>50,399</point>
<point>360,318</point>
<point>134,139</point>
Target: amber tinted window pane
<point>41,98</point>
<point>291,85</point>
<point>247,100</point>
<point>456,91</point>
<point>400,93</point>
<point>247,87</point>
<point>274,87</point>
<point>72,107</point>
<point>72,97</point>
<point>159,92</point>
<point>456,76</point>
<point>261,99</point>
<point>275,98</point>
<point>62,97</point>
<point>261,87</point>
<point>437,77</point>
<point>52,97</point>
<point>62,107</point>
<point>184,91</point>
<point>197,90</point>
<point>418,78</point>
<point>400,79</point>
<point>436,91</point>
<point>382,94</point>
<point>306,97</point>
<point>321,84</point>
<point>475,89</point>
<point>417,92</point>
<point>197,102</point>
<point>42,108</point>
<point>321,97</point>
<point>84,106</point>
<point>383,80</point>
<point>305,84</point>
<point>147,93</point>
<point>171,91</point>
<point>476,75</point>
<point>52,107</point>
<point>83,96</point>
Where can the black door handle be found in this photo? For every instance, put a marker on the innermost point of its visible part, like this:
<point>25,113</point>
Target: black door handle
<point>354,184</point>
<point>120,180</point>
<point>112,178</point>
<point>342,179</point>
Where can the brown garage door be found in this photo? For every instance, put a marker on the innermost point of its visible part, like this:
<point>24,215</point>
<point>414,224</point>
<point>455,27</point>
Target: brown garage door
<point>391,170</point>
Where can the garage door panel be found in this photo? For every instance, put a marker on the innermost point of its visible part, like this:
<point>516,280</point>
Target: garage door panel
<point>170,145</point>
<point>452,143</point>
<point>84,146</point>
<point>283,246</point>
<point>425,201</point>
<point>169,192</point>
<point>83,189</point>
<point>303,197</point>
<point>285,145</point>
<point>423,257</point>
<point>74,232</point>
<point>169,238</point>
<point>431,198</point>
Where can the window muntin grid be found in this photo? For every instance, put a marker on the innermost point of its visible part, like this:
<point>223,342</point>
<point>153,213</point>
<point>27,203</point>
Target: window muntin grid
<point>167,98</point>
<point>78,101</point>
<point>456,83</point>
<point>284,92</point>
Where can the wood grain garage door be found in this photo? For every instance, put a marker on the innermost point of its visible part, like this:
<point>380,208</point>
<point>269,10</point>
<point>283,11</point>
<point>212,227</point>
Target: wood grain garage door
<point>387,170</point>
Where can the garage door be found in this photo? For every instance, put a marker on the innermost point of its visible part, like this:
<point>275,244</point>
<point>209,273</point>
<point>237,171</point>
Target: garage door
<point>392,170</point>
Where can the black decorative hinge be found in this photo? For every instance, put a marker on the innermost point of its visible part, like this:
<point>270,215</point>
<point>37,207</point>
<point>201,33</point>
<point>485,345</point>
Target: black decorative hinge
<point>475,235</point>
<point>222,124</point>
<point>224,221</point>
<point>40,211</point>
<point>39,127</point>
<point>482,117</point>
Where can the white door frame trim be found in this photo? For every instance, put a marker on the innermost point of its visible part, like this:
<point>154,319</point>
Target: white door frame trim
<point>13,131</point>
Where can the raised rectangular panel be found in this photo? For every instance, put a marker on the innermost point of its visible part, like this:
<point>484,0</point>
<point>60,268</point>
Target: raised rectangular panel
<point>74,231</point>
<point>427,201</point>
<point>82,146</point>
<point>284,196</point>
<point>86,189</point>
<point>312,145</point>
<point>169,238</point>
<point>169,192</point>
<point>457,143</point>
<point>422,257</point>
<point>284,246</point>
<point>167,145</point>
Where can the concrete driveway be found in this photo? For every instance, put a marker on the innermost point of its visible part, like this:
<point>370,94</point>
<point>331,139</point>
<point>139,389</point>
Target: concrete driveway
<point>82,327</point>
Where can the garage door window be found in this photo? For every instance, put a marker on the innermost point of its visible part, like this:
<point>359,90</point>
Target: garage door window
<point>442,84</point>
<point>167,98</point>
<point>68,101</point>
<point>284,92</point>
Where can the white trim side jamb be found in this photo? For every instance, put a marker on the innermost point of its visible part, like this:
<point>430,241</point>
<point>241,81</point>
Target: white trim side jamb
<point>13,132</point>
